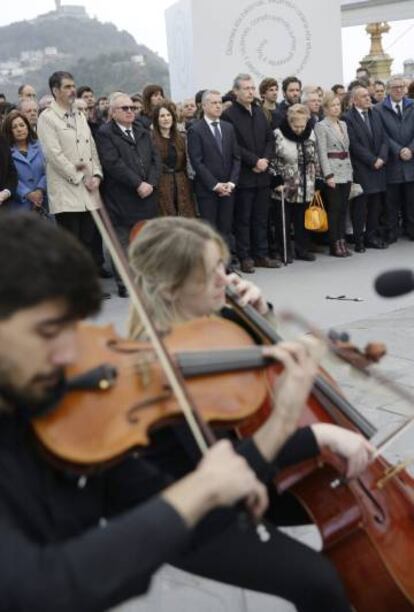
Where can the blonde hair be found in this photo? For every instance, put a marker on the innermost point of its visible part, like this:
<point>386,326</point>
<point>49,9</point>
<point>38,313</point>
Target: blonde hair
<point>329,98</point>
<point>163,256</point>
<point>297,110</point>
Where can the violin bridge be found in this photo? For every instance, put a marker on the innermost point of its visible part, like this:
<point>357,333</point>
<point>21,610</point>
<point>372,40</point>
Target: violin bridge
<point>143,367</point>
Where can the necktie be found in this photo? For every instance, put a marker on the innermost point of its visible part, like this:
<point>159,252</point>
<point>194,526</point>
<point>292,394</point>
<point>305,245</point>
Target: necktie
<point>399,113</point>
<point>367,121</point>
<point>129,134</point>
<point>217,135</point>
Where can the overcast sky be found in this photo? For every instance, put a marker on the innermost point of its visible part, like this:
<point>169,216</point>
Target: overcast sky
<point>147,26</point>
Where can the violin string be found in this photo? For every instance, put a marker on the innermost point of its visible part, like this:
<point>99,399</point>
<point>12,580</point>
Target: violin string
<point>136,360</point>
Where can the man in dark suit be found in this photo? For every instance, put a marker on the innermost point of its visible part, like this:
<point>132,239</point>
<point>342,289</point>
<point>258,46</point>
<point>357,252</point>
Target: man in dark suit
<point>397,114</point>
<point>255,139</point>
<point>215,157</point>
<point>369,154</point>
<point>132,169</point>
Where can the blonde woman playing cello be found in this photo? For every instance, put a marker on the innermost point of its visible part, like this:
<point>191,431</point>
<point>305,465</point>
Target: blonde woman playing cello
<point>179,268</point>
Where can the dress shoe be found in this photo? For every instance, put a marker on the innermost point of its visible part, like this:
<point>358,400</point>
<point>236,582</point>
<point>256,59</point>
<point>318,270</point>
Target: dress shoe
<point>336,249</point>
<point>104,273</point>
<point>122,291</point>
<point>391,238</point>
<point>344,246</point>
<point>376,244</point>
<point>266,262</point>
<point>306,256</point>
<point>247,266</point>
<point>359,246</point>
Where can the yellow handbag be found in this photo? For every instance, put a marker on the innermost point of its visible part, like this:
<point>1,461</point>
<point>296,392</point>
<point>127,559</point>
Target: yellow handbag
<point>316,219</point>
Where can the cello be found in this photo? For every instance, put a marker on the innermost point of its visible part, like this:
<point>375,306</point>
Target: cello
<point>366,524</point>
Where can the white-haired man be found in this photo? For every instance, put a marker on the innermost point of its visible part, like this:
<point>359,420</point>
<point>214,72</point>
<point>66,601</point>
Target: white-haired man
<point>397,114</point>
<point>132,169</point>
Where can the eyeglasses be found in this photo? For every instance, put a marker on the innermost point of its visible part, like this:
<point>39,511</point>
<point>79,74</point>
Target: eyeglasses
<point>126,108</point>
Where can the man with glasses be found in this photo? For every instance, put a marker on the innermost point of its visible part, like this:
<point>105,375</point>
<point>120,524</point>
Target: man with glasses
<point>397,114</point>
<point>132,169</point>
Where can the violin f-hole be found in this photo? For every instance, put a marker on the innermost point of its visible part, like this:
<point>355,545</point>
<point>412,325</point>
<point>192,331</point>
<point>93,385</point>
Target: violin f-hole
<point>131,415</point>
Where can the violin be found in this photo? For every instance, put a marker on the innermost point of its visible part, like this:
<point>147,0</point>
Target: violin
<point>119,393</point>
<point>366,524</point>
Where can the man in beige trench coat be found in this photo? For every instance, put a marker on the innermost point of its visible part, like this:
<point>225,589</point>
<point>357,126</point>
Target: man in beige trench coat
<point>73,170</point>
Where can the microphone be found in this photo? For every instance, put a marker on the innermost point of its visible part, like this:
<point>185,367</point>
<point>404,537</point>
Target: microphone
<point>394,283</point>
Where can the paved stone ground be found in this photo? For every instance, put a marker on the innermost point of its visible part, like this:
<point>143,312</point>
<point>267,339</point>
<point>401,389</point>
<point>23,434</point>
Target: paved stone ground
<point>303,287</point>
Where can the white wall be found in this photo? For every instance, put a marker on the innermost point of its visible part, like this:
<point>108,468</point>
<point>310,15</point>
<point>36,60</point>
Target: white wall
<point>209,42</point>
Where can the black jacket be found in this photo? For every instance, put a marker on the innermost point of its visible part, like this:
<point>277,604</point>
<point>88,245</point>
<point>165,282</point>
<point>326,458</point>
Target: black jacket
<point>8,173</point>
<point>400,134</point>
<point>255,139</point>
<point>126,164</point>
<point>365,149</point>
<point>68,546</point>
<point>280,114</point>
<point>210,164</point>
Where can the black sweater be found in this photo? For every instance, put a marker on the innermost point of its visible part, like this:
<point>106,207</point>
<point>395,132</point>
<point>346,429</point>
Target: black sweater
<point>256,141</point>
<point>68,545</point>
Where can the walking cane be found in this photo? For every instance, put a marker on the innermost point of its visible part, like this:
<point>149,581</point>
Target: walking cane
<point>285,257</point>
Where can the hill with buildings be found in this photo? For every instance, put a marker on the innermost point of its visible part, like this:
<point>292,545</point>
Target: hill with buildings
<point>98,54</point>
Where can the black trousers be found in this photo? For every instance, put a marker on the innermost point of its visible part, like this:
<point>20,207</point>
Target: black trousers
<point>219,213</point>
<point>82,226</point>
<point>365,214</point>
<point>123,233</point>
<point>251,221</point>
<point>294,213</point>
<point>399,200</point>
<point>283,566</point>
<point>337,207</point>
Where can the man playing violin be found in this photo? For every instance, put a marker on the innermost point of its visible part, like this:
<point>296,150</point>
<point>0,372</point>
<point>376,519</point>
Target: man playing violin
<point>87,543</point>
<point>180,268</point>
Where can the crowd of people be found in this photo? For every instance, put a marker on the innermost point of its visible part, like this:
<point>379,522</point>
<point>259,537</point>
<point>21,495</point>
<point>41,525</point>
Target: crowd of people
<point>244,162</point>
<point>89,535</point>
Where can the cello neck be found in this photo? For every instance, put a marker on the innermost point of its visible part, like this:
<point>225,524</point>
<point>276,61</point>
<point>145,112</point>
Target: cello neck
<point>325,392</point>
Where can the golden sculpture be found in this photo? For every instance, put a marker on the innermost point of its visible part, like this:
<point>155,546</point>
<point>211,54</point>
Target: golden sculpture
<point>378,62</point>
